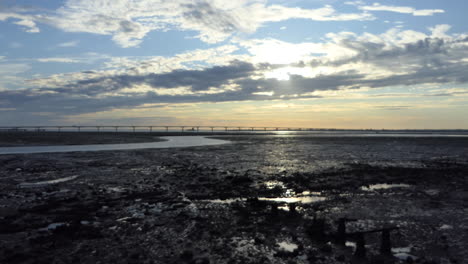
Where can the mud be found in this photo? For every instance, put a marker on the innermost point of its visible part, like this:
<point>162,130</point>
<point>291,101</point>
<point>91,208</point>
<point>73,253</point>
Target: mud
<point>262,199</point>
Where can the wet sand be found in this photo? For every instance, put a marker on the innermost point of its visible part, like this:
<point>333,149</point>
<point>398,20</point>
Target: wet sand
<point>262,199</point>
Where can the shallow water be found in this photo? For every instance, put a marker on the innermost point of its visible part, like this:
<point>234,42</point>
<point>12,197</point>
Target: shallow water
<point>383,186</point>
<point>171,142</point>
<point>43,183</point>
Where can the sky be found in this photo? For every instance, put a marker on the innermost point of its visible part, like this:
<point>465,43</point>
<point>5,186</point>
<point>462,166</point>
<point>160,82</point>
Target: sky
<point>393,64</point>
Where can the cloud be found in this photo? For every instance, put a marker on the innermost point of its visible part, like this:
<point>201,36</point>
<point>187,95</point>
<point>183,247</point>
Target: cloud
<point>58,59</point>
<point>128,22</point>
<point>68,44</point>
<point>393,107</point>
<point>400,9</point>
<point>27,22</point>
<point>344,61</point>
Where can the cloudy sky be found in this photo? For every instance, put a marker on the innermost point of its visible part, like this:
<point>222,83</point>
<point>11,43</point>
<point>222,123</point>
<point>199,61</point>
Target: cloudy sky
<point>310,63</point>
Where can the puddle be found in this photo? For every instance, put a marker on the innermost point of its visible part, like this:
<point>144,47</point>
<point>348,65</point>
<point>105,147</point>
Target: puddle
<point>383,186</point>
<point>304,199</point>
<point>445,227</point>
<point>225,201</point>
<point>351,244</point>
<point>52,226</point>
<point>287,246</point>
<point>274,184</point>
<point>115,189</point>
<point>43,183</point>
<point>403,253</point>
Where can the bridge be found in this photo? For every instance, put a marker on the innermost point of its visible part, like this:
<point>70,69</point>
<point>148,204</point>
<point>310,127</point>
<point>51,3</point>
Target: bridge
<point>147,128</point>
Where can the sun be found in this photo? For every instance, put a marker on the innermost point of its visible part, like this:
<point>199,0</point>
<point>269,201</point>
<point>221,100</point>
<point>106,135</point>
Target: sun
<point>284,73</point>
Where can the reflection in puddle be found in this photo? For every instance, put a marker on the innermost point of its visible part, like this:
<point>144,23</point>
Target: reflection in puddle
<point>42,183</point>
<point>287,246</point>
<point>382,186</point>
<point>312,197</point>
<point>297,199</point>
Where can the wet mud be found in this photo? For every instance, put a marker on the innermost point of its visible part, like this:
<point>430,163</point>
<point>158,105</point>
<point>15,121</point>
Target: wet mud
<point>260,199</point>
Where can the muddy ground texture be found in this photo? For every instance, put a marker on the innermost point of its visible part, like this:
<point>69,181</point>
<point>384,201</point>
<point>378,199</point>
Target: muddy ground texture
<point>259,199</point>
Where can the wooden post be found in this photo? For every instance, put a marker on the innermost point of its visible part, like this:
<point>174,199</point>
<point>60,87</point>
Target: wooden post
<point>292,208</point>
<point>386,244</point>
<point>274,208</point>
<point>341,234</point>
<point>360,245</point>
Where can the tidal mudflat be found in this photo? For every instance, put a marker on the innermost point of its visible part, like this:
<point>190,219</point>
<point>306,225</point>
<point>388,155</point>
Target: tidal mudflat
<point>259,199</point>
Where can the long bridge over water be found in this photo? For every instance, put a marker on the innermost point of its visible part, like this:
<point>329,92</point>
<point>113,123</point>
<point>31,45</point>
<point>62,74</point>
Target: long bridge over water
<point>148,128</point>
